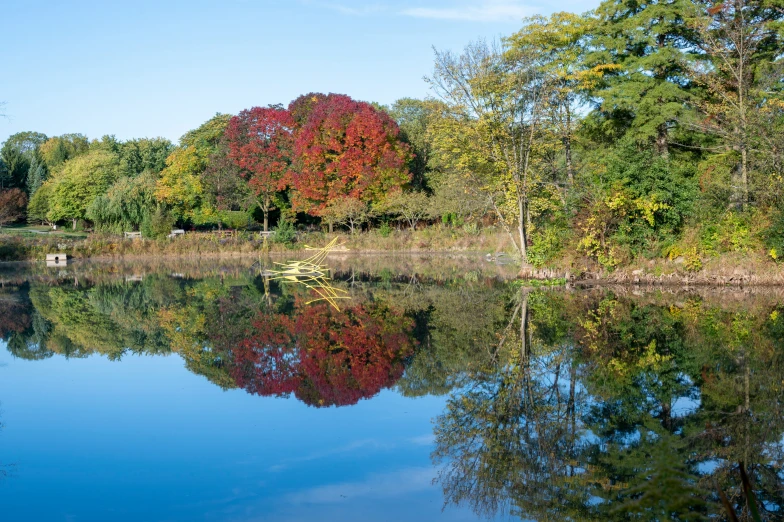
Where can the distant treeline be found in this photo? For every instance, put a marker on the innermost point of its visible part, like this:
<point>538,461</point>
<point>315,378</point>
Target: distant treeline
<point>635,130</point>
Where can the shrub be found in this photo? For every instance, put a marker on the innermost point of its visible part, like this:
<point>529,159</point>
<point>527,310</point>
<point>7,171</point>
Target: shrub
<point>158,224</point>
<point>472,229</point>
<point>235,218</point>
<point>774,236</point>
<point>285,233</point>
<point>547,244</point>
<point>385,230</point>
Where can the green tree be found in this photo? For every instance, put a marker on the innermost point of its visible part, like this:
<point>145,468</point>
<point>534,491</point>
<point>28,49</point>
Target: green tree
<point>413,118</point>
<point>139,155</point>
<point>180,186</point>
<point>38,207</point>
<point>739,40</point>
<point>561,43</point>
<point>493,131</point>
<point>36,174</point>
<point>126,204</point>
<point>57,150</point>
<point>80,182</point>
<point>645,48</point>
<point>17,153</point>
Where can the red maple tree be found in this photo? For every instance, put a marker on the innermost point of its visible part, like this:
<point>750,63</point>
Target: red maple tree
<point>260,143</point>
<point>343,148</point>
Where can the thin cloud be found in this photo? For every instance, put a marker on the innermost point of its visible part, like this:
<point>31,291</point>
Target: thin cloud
<point>376,486</point>
<point>423,440</point>
<point>367,9</point>
<point>487,11</point>
<point>482,11</point>
<point>346,448</point>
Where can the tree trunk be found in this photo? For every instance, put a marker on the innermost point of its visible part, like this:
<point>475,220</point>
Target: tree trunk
<point>524,328</point>
<point>744,176</point>
<point>570,409</point>
<point>662,147</point>
<point>265,208</point>
<point>522,229</point>
<point>567,141</point>
<point>330,227</point>
<point>73,225</point>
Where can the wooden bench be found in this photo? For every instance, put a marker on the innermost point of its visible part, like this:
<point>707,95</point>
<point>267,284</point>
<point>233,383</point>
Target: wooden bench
<point>177,232</point>
<point>132,235</point>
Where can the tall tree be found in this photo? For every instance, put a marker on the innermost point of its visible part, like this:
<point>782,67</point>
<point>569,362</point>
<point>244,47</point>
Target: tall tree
<point>139,155</point>
<point>494,127</point>
<point>126,204</point>
<point>180,186</point>
<point>17,153</point>
<point>344,148</point>
<point>260,142</point>
<point>646,43</point>
<point>561,43</point>
<point>740,39</point>
<point>36,174</point>
<point>413,117</point>
<point>224,186</point>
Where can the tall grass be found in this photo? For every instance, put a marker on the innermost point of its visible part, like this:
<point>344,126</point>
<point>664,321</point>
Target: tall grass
<point>35,247</point>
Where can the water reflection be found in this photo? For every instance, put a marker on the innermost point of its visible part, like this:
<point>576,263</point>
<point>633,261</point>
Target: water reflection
<point>560,405</point>
<point>619,408</point>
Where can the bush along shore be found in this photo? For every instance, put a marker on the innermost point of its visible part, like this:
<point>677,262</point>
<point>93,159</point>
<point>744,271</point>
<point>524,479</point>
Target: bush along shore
<point>27,248</point>
<point>746,268</point>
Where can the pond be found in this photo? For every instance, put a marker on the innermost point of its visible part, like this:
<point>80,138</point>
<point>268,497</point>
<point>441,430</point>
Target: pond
<point>438,389</point>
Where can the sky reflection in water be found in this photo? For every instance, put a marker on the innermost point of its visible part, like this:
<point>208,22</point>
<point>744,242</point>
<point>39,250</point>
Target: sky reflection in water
<point>144,439</point>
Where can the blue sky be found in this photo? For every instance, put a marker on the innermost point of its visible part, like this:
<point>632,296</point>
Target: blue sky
<point>159,68</point>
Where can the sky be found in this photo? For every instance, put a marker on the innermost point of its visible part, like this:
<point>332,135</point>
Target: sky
<point>159,68</point>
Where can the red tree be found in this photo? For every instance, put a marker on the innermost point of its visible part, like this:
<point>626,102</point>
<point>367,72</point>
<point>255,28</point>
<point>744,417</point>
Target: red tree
<point>260,143</point>
<point>344,148</point>
<point>12,205</point>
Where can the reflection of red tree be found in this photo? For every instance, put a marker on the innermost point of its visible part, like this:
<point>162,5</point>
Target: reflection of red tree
<point>266,364</point>
<point>14,318</point>
<point>323,356</point>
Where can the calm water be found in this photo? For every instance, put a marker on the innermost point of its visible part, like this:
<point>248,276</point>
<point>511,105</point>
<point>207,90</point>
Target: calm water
<point>439,390</point>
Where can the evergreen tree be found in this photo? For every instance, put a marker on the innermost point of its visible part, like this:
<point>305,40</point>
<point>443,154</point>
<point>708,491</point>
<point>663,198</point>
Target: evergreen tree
<point>646,45</point>
<point>36,174</point>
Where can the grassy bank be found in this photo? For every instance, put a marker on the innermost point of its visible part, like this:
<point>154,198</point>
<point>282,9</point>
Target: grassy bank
<point>753,267</point>
<point>17,246</point>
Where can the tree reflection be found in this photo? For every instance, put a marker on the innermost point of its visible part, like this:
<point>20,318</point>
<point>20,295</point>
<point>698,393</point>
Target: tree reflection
<point>323,356</point>
<point>640,412</point>
<point>560,405</point>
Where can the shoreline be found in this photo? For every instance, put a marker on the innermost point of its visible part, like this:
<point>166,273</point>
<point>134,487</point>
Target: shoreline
<point>726,270</point>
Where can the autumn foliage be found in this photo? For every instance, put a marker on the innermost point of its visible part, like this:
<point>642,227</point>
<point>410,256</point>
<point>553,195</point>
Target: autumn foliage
<point>325,357</point>
<point>12,205</point>
<point>344,148</point>
<point>260,142</point>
